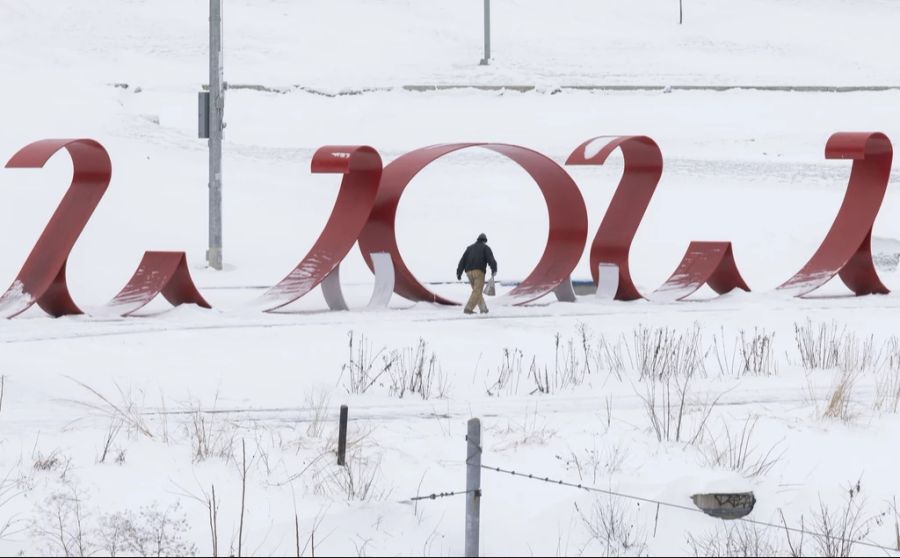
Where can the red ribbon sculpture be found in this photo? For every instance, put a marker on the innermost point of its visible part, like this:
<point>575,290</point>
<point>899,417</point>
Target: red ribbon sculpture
<point>847,248</point>
<point>366,209</point>
<point>361,167</point>
<point>709,263</point>
<point>42,279</point>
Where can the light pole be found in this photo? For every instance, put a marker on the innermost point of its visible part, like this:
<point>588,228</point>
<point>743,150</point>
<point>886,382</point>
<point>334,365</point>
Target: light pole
<point>487,33</point>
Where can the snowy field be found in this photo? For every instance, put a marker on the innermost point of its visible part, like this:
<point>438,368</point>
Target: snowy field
<point>116,432</point>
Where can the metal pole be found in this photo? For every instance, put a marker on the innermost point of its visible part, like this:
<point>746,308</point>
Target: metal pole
<point>216,108</point>
<point>342,437</point>
<point>473,486</point>
<point>487,33</point>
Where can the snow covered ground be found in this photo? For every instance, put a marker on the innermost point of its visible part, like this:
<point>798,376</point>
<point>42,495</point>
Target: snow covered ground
<point>173,394</point>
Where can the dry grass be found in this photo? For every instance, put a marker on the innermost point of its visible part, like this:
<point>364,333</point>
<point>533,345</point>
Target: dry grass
<point>750,354</point>
<point>613,528</point>
<point>359,480</point>
<point>735,540</point>
<point>660,352</point>
<point>736,451</point>
<point>416,371</point>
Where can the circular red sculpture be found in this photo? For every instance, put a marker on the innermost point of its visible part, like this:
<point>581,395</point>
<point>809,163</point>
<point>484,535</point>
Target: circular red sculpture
<point>565,207</point>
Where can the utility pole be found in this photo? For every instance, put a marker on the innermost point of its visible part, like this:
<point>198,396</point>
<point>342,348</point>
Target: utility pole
<point>487,33</point>
<point>216,108</point>
<point>473,487</point>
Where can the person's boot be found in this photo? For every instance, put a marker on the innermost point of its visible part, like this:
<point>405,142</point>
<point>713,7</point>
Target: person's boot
<point>467,311</point>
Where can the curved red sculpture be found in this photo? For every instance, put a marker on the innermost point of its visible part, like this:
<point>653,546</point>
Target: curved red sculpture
<point>361,167</point>
<point>42,279</point>
<point>643,169</point>
<point>164,273</point>
<point>704,262</point>
<point>847,248</point>
<point>565,206</point>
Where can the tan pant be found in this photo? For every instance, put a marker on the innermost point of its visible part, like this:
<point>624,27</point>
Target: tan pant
<point>476,280</point>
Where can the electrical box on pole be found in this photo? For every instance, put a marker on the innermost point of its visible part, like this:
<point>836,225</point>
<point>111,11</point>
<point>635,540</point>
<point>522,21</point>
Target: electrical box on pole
<point>203,115</point>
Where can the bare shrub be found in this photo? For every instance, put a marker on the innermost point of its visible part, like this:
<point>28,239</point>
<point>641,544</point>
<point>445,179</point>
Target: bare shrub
<point>896,512</point>
<point>317,403</point>
<point>839,402</point>
<point>660,352</point>
<point>669,404</point>
<point>211,435</point>
<point>613,529</point>
<point>509,374</point>
<point>112,432</point>
<point>128,410</point>
<point>64,529</point>
<point>571,364</point>
<point>737,540</point>
<point>361,370</point>
<point>736,451</point>
<point>150,532</point>
<point>823,347</point>
<point>596,463</point>
<point>750,354</point>
<point>575,360</point>
<point>68,529</point>
<point>818,344</point>
<point>832,532</point>
<point>50,462</point>
<point>533,430</point>
<point>612,356</point>
<point>837,531</point>
<point>416,370</point>
<point>10,489</point>
<point>358,480</point>
<point>887,379</point>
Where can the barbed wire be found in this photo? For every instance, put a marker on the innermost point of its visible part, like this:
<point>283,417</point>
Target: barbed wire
<point>588,488</point>
<point>438,495</point>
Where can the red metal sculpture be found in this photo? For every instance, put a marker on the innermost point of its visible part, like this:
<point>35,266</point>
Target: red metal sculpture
<point>565,206</point>
<point>164,273</point>
<point>704,262</point>
<point>643,169</point>
<point>847,248</point>
<point>361,167</point>
<point>366,207</point>
<point>42,279</point>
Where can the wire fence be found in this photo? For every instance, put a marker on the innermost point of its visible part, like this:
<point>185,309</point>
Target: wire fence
<point>659,503</point>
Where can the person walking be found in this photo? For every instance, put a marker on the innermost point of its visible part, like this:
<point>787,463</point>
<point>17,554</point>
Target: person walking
<point>475,261</point>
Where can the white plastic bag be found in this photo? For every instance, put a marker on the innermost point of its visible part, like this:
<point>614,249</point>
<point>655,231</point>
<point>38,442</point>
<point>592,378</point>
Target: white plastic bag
<point>489,288</point>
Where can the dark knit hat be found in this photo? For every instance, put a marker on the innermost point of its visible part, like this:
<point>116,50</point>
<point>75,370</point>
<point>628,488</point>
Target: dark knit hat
<point>482,237</point>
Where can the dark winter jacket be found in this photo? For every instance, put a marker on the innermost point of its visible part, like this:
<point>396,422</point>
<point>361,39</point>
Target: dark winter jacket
<point>477,256</point>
